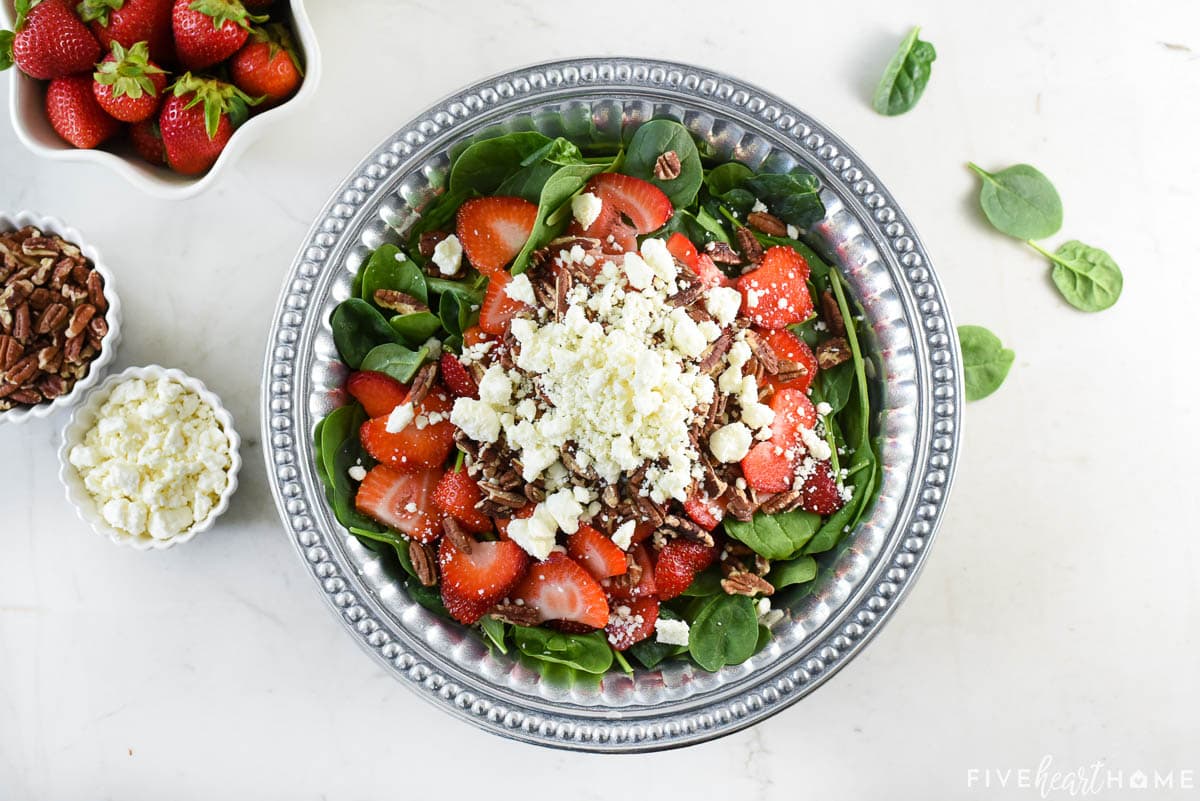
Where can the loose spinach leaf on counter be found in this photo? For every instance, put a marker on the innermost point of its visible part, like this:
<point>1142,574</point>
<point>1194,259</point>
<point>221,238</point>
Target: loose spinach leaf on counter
<point>724,632</point>
<point>359,328</point>
<point>1020,201</point>
<point>905,77</point>
<point>652,140</point>
<point>395,360</point>
<point>1087,277</point>
<point>777,536</point>
<point>587,652</point>
<point>986,361</point>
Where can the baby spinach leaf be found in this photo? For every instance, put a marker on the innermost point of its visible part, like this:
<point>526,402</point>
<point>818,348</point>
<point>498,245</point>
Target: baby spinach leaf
<point>1087,277</point>
<point>725,632</point>
<point>794,197</point>
<point>725,177</point>
<point>385,536</point>
<point>416,328</point>
<point>335,428</point>
<point>764,638</point>
<point>389,268</point>
<point>905,77</point>
<point>793,571</point>
<point>653,139</point>
<point>486,164</point>
<point>428,597</point>
<point>469,290</point>
<point>986,361</point>
<point>437,215</point>
<point>834,385</point>
<point>358,328</point>
<point>496,631</point>
<point>650,652</point>
<point>1020,201</point>
<point>322,473</point>
<point>587,652</point>
<point>707,582</point>
<point>349,454</point>
<point>621,661</point>
<point>777,536</point>
<point>395,360</point>
<point>402,555</point>
<point>557,193</point>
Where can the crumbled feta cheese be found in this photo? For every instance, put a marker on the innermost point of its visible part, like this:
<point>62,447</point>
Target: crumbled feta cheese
<point>730,443</point>
<point>447,255</point>
<point>399,419</point>
<point>655,252</point>
<point>586,208</point>
<point>686,335</point>
<point>535,534</point>
<point>824,408</point>
<point>637,272</point>
<point>565,510</point>
<point>357,472</point>
<point>757,415</point>
<point>521,290</point>
<point>671,632</point>
<point>816,445</point>
<point>793,232</point>
<point>477,419</point>
<point>623,536</point>
<point>495,387</point>
<point>758,206</point>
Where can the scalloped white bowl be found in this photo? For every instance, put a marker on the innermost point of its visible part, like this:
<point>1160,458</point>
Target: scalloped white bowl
<point>26,107</point>
<point>99,365</point>
<point>83,420</point>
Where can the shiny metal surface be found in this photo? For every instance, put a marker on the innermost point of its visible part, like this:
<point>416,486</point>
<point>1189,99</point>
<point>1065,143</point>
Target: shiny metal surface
<point>918,364</point>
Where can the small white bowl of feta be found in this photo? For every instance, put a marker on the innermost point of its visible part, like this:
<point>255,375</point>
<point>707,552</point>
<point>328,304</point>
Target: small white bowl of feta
<point>150,458</point>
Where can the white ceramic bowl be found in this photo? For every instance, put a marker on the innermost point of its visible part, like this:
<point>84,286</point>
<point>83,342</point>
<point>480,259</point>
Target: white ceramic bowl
<point>85,417</point>
<point>100,365</point>
<point>26,101</point>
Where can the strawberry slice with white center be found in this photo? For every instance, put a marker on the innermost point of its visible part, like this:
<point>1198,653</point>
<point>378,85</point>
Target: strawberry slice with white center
<point>631,622</point>
<point>596,553</point>
<point>641,202</point>
<point>474,582</point>
<point>493,230</point>
<point>378,393</point>
<point>776,294</point>
<point>498,308</point>
<point>770,466</point>
<point>559,589</point>
<point>790,348</point>
<point>403,501</point>
<point>425,440</point>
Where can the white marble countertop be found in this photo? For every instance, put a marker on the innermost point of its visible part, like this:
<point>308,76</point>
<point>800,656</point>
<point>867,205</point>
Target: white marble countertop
<point>1058,615</point>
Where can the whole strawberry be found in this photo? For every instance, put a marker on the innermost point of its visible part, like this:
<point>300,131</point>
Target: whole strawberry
<point>147,141</point>
<point>128,22</point>
<point>209,31</point>
<point>197,121</point>
<point>268,66</point>
<point>74,113</point>
<point>128,85</point>
<point>49,41</point>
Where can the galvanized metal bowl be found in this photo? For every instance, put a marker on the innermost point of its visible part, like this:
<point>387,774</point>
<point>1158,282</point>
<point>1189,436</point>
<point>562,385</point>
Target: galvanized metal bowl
<point>918,374</point>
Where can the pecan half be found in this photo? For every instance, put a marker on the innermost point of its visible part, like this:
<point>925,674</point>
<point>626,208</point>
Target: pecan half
<point>398,301</point>
<point>423,563</point>
<point>80,318</point>
<point>766,223</point>
<point>741,583</point>
<point>429,242</point>
<point>722,253</point>
<point>790,370</point>
<point>422,382</point>
<point>833,352</point>
<point>667,166</point>
<point>23,371</point>
<point>713,355</point>
<point>763,352</point>
<point>832,313</point>
<point>53,318</point>
<point>752,252</point>
<point>781,502</point>
<point>457,535</point>
<point>95,291</point>
<point>21,326</point>
<point>10,351</point>
<point>515,615</point>
<point>51,386</point>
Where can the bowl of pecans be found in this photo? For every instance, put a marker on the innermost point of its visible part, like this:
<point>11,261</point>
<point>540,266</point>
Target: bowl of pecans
<point>59,316</point>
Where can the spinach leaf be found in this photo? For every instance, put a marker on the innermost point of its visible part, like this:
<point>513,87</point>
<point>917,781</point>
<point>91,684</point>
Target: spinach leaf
<point>437,215</point>
<point>764,638</point>
<point>386,536</point>
<point>389,268</point>
<point>557,193</point>
<point>1020,201</point>
<point>653,139</point>
<point>322,473</point>
<point>341,496</point>
<point>777,536</point>
<point>700,227</point>
<point>794,197</point>
<point>395,360</point>
<point>587,652</point>
<point>333,431</point>
<point>470,291</point>
<point>707,582</point>
<point>726,177</point>
<point>402,555</point>
<point>905,77</point>
<point>986,361</point>
<point>650,652</point>
<point>495,631</point>
<point>416,328</point>
<point>358,328</point>
<point>428,597</point>
<point>834,384</point>
<point>486,164</point>
<point>6,43</point>
<point>1087,277</point>
<point>725,632</point>
<point>621,661</point>
<point>793,571</point>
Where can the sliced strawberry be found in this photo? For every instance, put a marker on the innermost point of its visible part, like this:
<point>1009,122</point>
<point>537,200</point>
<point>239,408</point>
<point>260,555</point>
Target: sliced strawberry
<point>474,582</point>
<point>419,444</point>
<point>559,589</point>
<point>776,294</point>
<point>493,230</point>
<point>378,393</point>
<point>768,468</point>
<point>704,511</point>
<point>522,513</point>
<point>641,202</point>
<point>598,554</point>
<point>790,348</point>
<point>474,335</point>
<point>403,501</point>
<point>819,493</point>
<point>793,411</point>
<point>619,590</point>
<point>615,235</point>
<point>498,308</point>
<point>456,495</point>
<point>457,378</point>
<point>631,622</point>
<point>710,274</point>
<point>678,563</point>
<point>682,248</point>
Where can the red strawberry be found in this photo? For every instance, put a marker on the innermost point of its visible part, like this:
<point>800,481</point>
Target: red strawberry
<point>403,501</point>
<point>768,468</point>
<point>631,622</point>
<point>643,203</point>
<point>498,308</point>
<point>789,347</point>
<point>710,274</point>
<point>128,22</point>
<point>615,235</point>
<point>819,493</point>
<point>378,393</point>
<point>197,122</point>
<point>678,563</point>
<point>268,66</point>
<point>559,589</point>
<point>128,85</point>
<point>74,113</point>
<point>147,141</point>
<point>474,335</point>
<point>209,31</point>
<point>474,582</point>
<point>682,248</point>
<point>645,586</point>
<point>458,378</point>
<point>49,41</point>
<point>493,230</point>
<point>421,443</point>
<point>524,512</point>
<point>793,411</point>
<point>776,294</point>
<point>598,554</point>
<point>456,495</point>
<point>704,511</point>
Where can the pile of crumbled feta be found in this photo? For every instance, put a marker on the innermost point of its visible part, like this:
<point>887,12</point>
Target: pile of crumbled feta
<point>156,460</point>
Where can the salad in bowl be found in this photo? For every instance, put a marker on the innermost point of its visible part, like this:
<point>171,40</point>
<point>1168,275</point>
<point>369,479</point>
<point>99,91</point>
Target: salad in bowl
<point>607,407</point>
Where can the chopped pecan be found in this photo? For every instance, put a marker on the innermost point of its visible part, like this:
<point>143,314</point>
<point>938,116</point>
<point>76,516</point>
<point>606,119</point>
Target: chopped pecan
<point>515,614</point>
<point>50,359</point>
<point>95,291</point>
<point>781,502</point>
<point>422,382</point>
<point>790,370</point>
<point>685,528</point>
<point>39,245</point>
<point>667,166</point>
<point>10,351</point>
<point>686,297</point>
<point>40,298</point>
<point>833,352</point>
<point>739,504</point>
<point>563,282</point>
<point>534,493</point>
<point>15,294</point>
<point>832,313</point>
<point>98,328</point>
<point>457,535</point>
<point>422,558</point>
<point>73,350</point>
<point>400,302</point>
<point>27,396</point>
<point>21,326</point>
<point>428,242</point>
<point>650,510</point>
<point>751,251</point>
<point>741,583</point>
<point>503,497</point>
<point>714,354</point>
<point>722,253</point>
<point>766,223</point>
<point>762,352</point>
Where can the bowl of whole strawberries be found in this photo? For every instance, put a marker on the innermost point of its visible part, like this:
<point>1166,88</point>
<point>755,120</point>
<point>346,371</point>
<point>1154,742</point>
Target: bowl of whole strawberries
<point>165,92</point>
